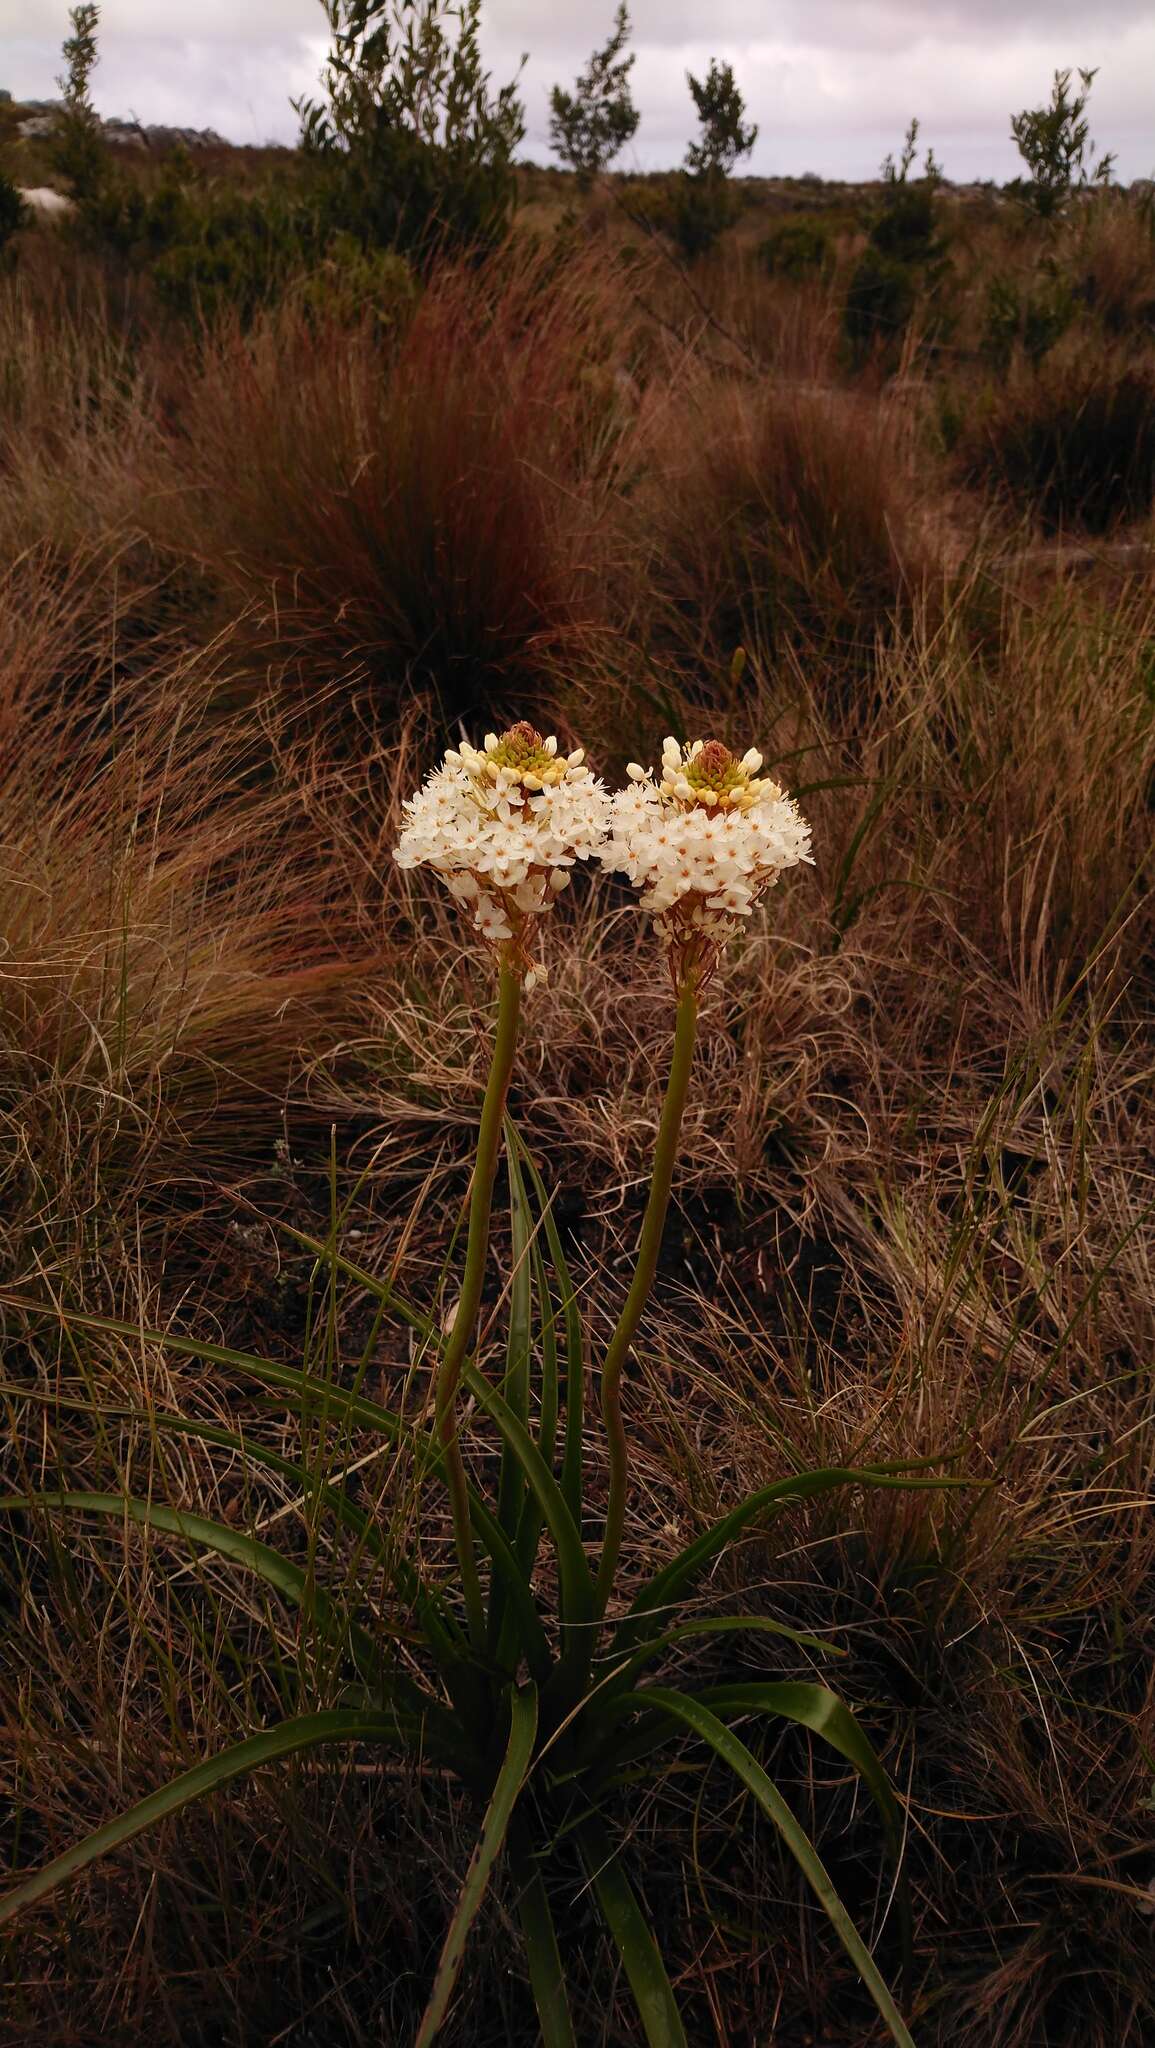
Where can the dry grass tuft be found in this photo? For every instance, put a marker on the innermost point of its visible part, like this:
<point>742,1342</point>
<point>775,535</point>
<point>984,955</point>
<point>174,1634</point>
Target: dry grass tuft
<point>783,517</point>
<point>1071,438</point>
<point>1113,256</point>
<point>171,936</point>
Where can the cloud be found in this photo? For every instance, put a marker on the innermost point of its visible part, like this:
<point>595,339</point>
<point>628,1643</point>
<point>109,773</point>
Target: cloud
<point>831,83</point>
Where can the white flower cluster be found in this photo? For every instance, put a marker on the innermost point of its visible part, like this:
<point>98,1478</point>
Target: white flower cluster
<point>503,825</point>
<point>703,842</point>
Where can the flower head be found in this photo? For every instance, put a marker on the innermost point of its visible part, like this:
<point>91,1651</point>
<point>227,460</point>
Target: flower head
<point>703,841</point>
<point>503,825</point>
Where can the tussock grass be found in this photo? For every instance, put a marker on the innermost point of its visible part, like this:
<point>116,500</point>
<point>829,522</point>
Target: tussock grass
<point>914,1211</point>
<point>171,938</point>
<point>77,419</point>
<point>439,533</point>
<point>1113,253</point>
<point>1072,437</point>
<point>786,517</point>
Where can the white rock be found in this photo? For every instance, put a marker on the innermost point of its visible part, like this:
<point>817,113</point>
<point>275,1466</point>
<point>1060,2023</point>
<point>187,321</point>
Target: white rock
<point>47,204</point>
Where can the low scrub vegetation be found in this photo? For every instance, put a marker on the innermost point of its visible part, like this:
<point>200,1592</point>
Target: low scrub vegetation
<point>269,548</point>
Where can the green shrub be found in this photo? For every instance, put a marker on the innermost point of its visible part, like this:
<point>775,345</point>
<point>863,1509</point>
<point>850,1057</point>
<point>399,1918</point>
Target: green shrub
<point>13,212</point>
<point>351,284</point>
<point>208,245</point>
<point>907,227</point>
<point>649,204</point>
<point>905,259</point>
<point>1055,144</point>
<point>724,134</point>
<point>796,249</point>
<point>589,127</point>
<point>880,299</point>
<point>409,147</point>
<point>1033,320</point>
<point>79,152</point>
<point>704,206</point>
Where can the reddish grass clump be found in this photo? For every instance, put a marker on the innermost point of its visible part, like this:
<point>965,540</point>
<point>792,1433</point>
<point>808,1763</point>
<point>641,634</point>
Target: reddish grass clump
<point>418,511</point>
<point>1070,439</point>
<point>172,930</point>
<point>784,516</point>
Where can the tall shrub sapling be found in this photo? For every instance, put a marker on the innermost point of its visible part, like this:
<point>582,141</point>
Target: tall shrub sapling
<point>590,126</point>
<point>1055,144</point>
<point>413,149</point>
<point>705,202</point>
<point>79,151</point>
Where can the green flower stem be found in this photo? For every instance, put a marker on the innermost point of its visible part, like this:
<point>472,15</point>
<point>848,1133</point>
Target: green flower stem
<point>649,1245</point>
<point>477,1245</point>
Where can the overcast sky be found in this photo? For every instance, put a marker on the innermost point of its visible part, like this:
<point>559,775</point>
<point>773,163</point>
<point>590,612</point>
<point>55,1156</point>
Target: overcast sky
<point>831,83</point>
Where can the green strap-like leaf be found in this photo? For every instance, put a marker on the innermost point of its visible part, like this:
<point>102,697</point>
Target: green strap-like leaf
<point>576,1581</point>
<point>547,1433</point>
<point>437,1623</point>
<point>817,1708</point>
<point>521,1616</point>
<point>277,1571</point>
<point>269,1564</point>
<point>354,1407</point>
<point>633,1936</point>
<point>572,1479</point>
<point>249,1449</point>
<point>510,1779</point>
<point>672,1581</point>
<point>515,1385</point>
<point>539,1935</point>
<point>620,1679</point>
<point>305,1394</point>
<point>304,1731</point>
<point>382,1290</point>
<point>722,1740</point>
<point>532,1520</point>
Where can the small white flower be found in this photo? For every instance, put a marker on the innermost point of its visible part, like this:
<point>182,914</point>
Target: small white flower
<point>492,922</point>
<point>503,825</point>
<point>703,843</point>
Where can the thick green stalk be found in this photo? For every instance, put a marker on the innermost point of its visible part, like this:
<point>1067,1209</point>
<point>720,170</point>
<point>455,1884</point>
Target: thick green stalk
<point>649,1245</point>
<point>476,1248</point>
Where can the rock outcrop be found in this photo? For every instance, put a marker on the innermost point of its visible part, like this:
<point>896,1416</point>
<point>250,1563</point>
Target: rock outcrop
<point>38,120</point>
<point>46,204</point>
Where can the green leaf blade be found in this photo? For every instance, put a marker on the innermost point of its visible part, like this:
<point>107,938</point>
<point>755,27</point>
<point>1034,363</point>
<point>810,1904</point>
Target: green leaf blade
<point>515,1386</point>
<point>572,1473</point>
<point>576,1581</point>
<point>240,1548</point>
<point>633,1937</point>
<point>539,1935</point>
<point>287,1738</point>
<point>668,1587</point>
<point>510,1780</point>
<point>821,1711</point>
<point>697,1717</point>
